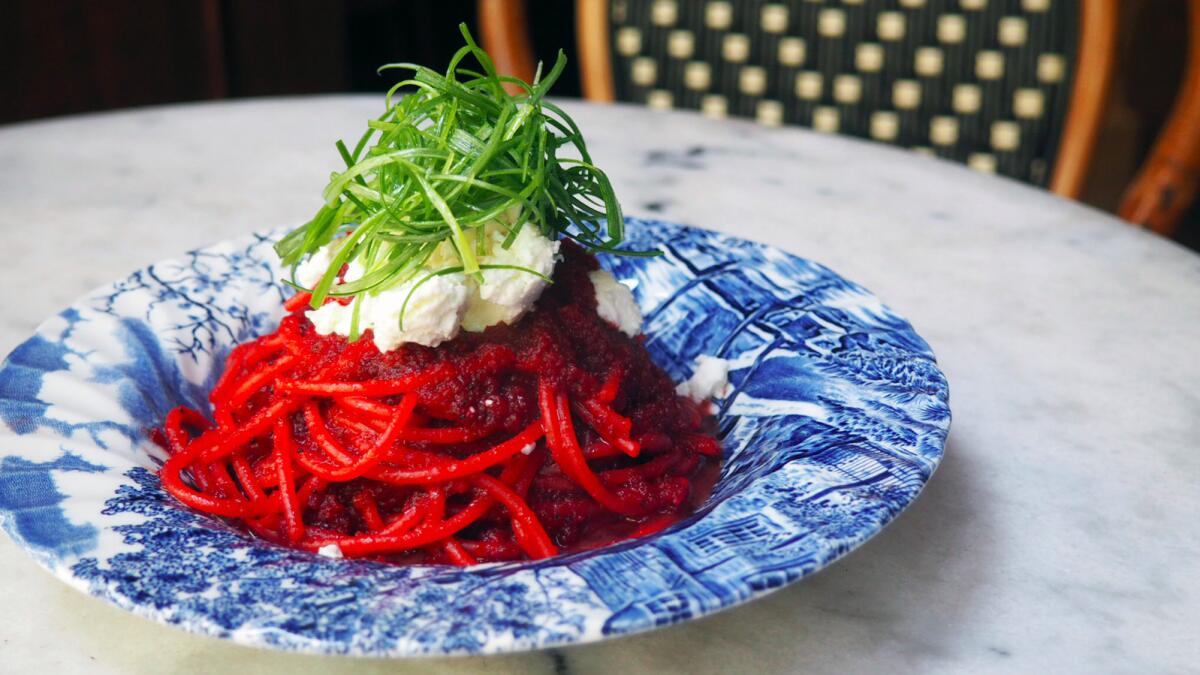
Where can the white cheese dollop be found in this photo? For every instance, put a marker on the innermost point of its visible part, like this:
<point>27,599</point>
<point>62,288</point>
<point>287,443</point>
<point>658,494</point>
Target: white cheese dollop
<point>444,304</point>
<point>354,271</point>
<point>309,272</point>
<point>615,303</point>
<point>330,551</point>
<point>505,295</point>
<point>711,378</point>
<point>432,316</point>
<point>330,318</point>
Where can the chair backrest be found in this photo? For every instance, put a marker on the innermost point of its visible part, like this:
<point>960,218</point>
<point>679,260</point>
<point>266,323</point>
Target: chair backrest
<point>985,82</point>
<point>1063,69</point>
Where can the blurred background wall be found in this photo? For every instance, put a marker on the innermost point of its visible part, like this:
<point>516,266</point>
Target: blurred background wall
<point>60,57</point>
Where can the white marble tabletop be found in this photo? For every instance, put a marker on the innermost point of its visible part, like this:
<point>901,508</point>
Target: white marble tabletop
<point>1061,533</point>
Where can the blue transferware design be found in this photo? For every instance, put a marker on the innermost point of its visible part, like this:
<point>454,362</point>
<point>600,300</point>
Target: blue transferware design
<point>836,418</point>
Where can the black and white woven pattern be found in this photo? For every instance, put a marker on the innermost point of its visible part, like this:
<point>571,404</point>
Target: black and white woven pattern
<point>985,82</point>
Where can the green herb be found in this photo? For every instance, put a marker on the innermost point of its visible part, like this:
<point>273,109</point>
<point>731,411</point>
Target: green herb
<point>453,154</point>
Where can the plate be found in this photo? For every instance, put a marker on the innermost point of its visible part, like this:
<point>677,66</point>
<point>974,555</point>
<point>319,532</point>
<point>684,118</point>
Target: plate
<point>837,417</point>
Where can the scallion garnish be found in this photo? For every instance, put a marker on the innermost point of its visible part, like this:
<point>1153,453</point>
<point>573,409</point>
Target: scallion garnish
<point>451,155</point>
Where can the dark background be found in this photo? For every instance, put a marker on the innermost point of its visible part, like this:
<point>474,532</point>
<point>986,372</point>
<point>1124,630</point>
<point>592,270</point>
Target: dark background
<point>60,57</point>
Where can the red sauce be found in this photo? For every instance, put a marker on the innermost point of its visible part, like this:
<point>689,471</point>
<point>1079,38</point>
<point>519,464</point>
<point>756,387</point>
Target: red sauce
<point>494,388</point>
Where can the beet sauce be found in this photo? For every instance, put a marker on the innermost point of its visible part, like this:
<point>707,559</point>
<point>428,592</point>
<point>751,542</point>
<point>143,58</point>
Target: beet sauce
<point>494,393</point>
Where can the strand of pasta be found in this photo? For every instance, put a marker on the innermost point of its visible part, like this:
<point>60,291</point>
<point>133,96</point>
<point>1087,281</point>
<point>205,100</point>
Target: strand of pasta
<point>269,455</point>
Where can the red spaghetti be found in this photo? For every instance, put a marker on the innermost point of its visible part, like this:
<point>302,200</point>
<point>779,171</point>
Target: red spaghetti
<point>557,433</point>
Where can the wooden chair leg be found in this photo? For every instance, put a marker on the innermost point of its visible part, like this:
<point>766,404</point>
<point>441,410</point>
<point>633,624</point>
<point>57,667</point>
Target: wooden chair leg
<point>1170,179</point>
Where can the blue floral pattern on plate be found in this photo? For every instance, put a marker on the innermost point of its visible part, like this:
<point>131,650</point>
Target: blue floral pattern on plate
<point>836,418</point>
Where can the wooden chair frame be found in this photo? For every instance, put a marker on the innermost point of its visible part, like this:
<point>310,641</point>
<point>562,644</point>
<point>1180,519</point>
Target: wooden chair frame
<point>1165,186</point>
<point>1169,180</point>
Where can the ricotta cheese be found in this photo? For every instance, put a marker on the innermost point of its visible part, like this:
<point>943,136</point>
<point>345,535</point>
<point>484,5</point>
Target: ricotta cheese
<point>432,316</point>
<point>505,295</point>
<point>330,551</point>
<point>309,272</point>
<point>615,303</point>
<point>711,378</point>
<point>444,304</point>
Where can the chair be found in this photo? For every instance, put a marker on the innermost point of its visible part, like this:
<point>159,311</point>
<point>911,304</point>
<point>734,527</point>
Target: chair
<point>1169,179</point>
<point>1015,87</point>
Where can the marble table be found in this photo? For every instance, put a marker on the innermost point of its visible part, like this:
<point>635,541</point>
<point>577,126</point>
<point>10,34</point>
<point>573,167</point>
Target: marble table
<point>1061,534</point>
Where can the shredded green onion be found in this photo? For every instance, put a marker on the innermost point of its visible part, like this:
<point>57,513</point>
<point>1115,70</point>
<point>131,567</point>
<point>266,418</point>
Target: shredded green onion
<point>452,154</point>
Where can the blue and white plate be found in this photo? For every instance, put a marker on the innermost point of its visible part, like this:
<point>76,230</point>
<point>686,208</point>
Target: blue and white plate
<point>837,417</point>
